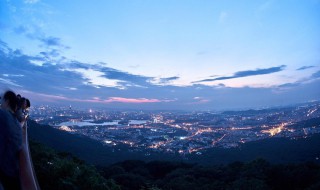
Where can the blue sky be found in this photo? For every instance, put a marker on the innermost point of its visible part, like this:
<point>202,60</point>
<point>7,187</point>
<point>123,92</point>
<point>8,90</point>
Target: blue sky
<point>161,54</point>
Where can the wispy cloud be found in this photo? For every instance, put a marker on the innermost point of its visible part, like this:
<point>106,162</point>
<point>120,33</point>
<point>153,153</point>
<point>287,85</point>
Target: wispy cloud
<point>131,100</point>
<point>131,79</point>
<point>169,79</point>
<point>315,75</point>
<point>163,81</point>
<point>31,1</point>
<point>247,73</point>
<point>305,67</point>
<point>8,82</point>
<point>200,100</point>
<point>102,76</point>
<point>128,100</point>
<point>57,98</point>
<point>21,29</point>
<point>35,33</point>
<point>71,88</point>
<point>51,41</point>
<point>12,75</point>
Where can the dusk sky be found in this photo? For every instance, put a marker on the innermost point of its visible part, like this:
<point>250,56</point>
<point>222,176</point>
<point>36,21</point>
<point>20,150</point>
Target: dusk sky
<point>161,54</point>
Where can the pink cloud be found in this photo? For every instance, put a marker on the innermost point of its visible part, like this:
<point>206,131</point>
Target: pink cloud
<point>203,101</point>
<point>54,98</point>
<point>200,100</point>
<point>132,100</point>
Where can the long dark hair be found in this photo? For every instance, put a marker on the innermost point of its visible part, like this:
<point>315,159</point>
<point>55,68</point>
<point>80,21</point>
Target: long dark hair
<point>21,101</point>
<point>12,98</point>
<point>28,103</point>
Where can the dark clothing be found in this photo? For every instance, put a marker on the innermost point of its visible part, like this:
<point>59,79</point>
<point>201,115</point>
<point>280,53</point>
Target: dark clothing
<point>20,115</point>
<point>10,146</point>
<point>10,183</point>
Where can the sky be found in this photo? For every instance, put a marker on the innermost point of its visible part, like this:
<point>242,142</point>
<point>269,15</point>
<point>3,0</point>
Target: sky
<point>161,54</point>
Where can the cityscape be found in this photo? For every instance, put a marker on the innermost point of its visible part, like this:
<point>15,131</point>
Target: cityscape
<point>181,132</point>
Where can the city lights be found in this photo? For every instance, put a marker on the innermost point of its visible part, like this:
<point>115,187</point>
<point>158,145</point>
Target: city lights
<point>175,132</point>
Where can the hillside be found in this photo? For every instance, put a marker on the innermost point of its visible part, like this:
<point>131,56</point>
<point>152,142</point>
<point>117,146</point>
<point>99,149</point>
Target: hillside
<point>85,148</point>
<point>274,150</point>
<point>56,170</point>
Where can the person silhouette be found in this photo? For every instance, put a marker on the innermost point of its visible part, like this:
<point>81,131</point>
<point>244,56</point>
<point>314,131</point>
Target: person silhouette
<point>20,113</point>
<point>10,142</point>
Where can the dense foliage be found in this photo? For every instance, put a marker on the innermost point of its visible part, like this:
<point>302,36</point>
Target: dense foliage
<point>64,171</point>
<point>257,174</point>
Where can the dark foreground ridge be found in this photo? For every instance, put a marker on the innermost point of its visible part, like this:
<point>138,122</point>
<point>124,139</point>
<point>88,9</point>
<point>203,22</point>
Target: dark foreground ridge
<point>64,171</point>
<point>274,150</point>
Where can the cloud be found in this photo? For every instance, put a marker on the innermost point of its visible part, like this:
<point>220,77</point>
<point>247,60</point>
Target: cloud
<point>162,81</point>
<point>35,33</point>
<point>34,73</point>
<point>101,76</point>
<point>200,100</point>
<point>305,67</point>
<point>96,78</point>
<point>71,88</point>
<point>57,98</point>
<point>31,1</point>
<point>124,77</point>
<point>49,72</point>
<point>289,85</point>
<point>12,75</point>
<point>52,53</point>
<point>20,30</point>
<point>93,85</point>
<point>43,97</point>
<point>309,79</point>
<point>315,75</point>
<point>169,79</point>
<point>241,74</point>
<point>51,41</point>
<point>8,82</point>
<point>131,100</point>
<point>4,49</point>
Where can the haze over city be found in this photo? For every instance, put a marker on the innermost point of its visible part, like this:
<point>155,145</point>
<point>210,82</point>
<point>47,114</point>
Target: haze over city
<point>173,55</point>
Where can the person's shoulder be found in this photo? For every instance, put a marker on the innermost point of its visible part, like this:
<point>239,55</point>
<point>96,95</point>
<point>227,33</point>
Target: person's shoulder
<point>3,115</point>
<point>6,117</point>
<point>2,111</point>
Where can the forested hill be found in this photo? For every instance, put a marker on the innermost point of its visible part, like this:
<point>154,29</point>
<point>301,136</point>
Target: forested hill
<point>87,149</point>
<point>274,150</point>
<point>56,170</point>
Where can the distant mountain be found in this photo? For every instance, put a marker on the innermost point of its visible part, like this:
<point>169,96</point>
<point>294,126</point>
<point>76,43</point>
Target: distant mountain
<point>274,150</point>
<point>251,112</point>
